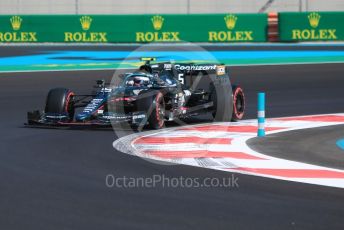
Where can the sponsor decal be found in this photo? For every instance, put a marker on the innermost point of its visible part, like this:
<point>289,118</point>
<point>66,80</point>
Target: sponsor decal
<point>168,66</point>
<point>194,67</point>
<point>230,20</point>
<point>157,36</point>
<point>17,35</point>
<point>110,117</point>
<point>137,91</point>
<point>220,70</point>
<point>106,90</point>
<point>231,34</point>
<point>85,35</point>
<point>157,22</point>
<point>314,19</point>
<point>314,33</point>
<point>93,105</point>
<point>56,117</point>
<point>140,116</point>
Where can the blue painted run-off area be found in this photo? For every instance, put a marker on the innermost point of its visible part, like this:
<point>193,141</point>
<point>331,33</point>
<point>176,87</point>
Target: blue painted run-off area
<point>340,143</point>
<point>82,57</point>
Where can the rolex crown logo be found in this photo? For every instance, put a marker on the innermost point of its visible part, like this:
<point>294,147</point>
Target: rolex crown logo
<point>157,21</point>
<point>16,22</point>
<point>85,22</point>
<point>314,19</point>
<point>230,20</point>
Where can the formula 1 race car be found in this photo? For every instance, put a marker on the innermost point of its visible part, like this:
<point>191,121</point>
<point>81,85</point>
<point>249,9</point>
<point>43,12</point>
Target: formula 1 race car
<point>151,95</point>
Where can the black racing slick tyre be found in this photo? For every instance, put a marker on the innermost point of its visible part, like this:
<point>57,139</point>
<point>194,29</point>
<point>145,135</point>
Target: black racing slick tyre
<point>222,102</point>
<point>238,103</point>
<point>152,102</point>
<point>60,101</point>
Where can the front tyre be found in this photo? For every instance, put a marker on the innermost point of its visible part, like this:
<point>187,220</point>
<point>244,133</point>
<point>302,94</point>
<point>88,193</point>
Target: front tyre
<point>153,103</point>
<point>238,103</point>
<point>60,102</point>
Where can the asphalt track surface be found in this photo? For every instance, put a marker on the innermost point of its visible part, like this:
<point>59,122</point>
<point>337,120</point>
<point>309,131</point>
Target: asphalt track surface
<point>55,179</point>
<point>315,146</point>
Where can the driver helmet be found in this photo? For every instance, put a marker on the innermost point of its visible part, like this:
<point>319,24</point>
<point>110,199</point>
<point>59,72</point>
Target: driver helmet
<point>137,81</point>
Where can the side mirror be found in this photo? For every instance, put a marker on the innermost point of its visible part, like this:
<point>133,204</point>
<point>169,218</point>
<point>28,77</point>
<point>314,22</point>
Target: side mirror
<point>101,83</point>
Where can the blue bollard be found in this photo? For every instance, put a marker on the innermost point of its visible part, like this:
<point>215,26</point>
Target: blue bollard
<point>261,114</point>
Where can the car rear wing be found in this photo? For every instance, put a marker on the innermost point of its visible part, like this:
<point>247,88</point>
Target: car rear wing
<point>187,68</point>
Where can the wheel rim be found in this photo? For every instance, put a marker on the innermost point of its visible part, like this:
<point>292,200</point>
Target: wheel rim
<point>160,110</point>
<point>70,105</point>
<point>239,105</point>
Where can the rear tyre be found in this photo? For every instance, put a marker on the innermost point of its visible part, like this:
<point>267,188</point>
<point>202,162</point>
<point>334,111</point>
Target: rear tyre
<point>238,103</point>
<point>153,103</point>
<point>222,102</point>
<point>60,101</point>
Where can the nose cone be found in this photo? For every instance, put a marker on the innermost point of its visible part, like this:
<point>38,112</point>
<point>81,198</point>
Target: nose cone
<point>81,116</point>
